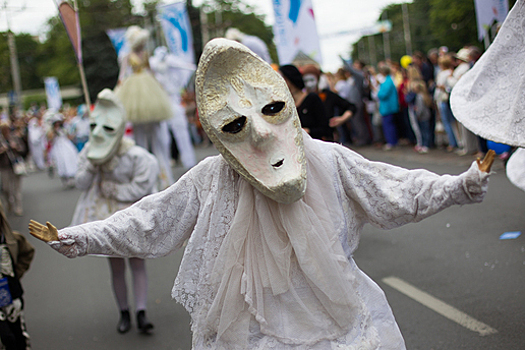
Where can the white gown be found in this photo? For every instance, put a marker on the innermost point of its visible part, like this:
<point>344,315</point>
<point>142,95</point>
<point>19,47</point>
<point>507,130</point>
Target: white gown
<point>132,173</point>
<point>202,206</point>
<point>37,143</point>
<point>64,155</point>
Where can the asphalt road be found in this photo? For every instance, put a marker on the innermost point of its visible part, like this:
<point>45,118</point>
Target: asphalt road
<point>455,257</point>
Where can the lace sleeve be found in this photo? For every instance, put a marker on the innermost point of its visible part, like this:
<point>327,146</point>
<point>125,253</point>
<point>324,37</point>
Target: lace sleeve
<point>153,227</point>
<point>390,196</point>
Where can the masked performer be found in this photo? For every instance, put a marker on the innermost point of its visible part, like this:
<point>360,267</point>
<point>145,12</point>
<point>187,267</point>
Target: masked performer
<point>147,104</point>
<point>489,99</point>
<point>272,222</point>
<point>114,173</point>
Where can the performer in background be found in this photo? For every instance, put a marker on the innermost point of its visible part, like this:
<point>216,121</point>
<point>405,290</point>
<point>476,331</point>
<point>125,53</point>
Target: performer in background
<point>113,173</point>
<point>173,75</point>
<point>272,222</point>
<point>147,104</point>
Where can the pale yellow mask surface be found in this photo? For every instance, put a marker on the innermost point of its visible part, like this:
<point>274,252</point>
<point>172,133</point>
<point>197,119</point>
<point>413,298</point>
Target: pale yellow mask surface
<point>247,111</point>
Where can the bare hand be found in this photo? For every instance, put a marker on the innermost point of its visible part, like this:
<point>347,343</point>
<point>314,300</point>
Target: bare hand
<point>44,233</point>
<point>486,164</point>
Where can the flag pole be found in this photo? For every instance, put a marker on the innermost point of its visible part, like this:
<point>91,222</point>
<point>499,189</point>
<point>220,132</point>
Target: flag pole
<point>81,67</point>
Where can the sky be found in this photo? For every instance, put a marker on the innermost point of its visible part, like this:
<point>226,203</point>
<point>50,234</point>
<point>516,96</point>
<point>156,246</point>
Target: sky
<point>332,16</point>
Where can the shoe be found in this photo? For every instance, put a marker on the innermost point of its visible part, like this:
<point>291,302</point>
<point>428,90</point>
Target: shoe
<point>143,324</point>
<point>387,147</point>
<point>423,150</point>
<point>124,324</point>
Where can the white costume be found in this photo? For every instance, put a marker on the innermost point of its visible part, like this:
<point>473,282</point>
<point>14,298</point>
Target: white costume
<point>173,75</point>
<point>63,153</point>
<point>147,104</point>
<point>113,174</point>
<point>272,224</point>
<point>490,98</point>
<point>203,204</point>
<point>130,162</point>
<point>37,142</point>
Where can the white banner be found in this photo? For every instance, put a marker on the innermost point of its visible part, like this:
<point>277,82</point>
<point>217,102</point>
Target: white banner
<point>54,98</point>
<point>488,11</point>
<point>295,30</point>
<point>175,23</point>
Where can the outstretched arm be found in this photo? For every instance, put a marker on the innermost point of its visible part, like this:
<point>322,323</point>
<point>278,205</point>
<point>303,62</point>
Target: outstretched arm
<point>389,196</point>
<point>153,227</point>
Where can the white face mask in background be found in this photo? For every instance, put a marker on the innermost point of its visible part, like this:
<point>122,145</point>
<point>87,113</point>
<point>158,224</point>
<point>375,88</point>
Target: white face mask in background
<point>108,124</point>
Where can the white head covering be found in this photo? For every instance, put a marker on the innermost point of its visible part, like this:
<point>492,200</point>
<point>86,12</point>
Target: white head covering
<point>52,116</point>
<point>490,98</point>
<point>136,36</point>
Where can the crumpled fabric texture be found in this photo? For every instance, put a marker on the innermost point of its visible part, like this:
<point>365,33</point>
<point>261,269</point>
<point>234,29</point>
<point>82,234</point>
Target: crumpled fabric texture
<point>488,99</point>
<point>202,206</point>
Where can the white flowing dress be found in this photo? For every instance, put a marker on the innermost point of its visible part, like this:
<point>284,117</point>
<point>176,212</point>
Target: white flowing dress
<point>210,199</point>
<point>64,155</point>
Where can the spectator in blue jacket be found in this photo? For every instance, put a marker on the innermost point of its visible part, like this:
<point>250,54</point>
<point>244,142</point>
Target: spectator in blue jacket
<point>388,105</point>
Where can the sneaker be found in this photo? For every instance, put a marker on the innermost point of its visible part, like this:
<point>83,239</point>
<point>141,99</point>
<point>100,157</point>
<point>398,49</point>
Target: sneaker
<point>387,147</point>
<point>423,150</point>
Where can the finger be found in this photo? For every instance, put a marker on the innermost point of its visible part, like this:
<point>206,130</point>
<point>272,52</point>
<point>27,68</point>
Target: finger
<point>35,223</point>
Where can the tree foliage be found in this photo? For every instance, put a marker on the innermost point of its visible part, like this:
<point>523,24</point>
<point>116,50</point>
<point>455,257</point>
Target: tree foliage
<point>433,23</point>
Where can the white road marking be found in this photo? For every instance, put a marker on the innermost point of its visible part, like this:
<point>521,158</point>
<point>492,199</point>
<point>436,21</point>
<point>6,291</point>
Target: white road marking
<point>439,306</point>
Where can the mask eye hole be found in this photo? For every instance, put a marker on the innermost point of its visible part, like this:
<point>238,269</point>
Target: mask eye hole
<point>92,126</point>
<point>108,129</point>
<point>235,126</point>
<point>273,108</point>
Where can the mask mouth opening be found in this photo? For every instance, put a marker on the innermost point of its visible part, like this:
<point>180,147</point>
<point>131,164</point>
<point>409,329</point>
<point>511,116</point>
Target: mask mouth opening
<point>278,164</point>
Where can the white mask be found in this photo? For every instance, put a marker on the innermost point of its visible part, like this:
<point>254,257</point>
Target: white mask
<point>107,124</point>
<point>310,82</point>
<point>247,111</point>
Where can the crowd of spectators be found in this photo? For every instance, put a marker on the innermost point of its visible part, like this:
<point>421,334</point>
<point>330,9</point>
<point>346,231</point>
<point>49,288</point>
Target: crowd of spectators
<point>405,103</point>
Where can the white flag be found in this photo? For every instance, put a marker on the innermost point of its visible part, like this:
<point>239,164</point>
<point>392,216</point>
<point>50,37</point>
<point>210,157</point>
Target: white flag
<point>54,98</point>
<point>488,11</point>
<point>175,23</point>
<point>295,30</point>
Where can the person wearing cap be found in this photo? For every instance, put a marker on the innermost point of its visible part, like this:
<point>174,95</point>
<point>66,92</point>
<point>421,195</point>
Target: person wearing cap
<point>309,105</point>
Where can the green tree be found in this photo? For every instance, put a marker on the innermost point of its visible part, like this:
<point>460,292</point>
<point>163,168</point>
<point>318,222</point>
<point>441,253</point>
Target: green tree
<point>26,47</point>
